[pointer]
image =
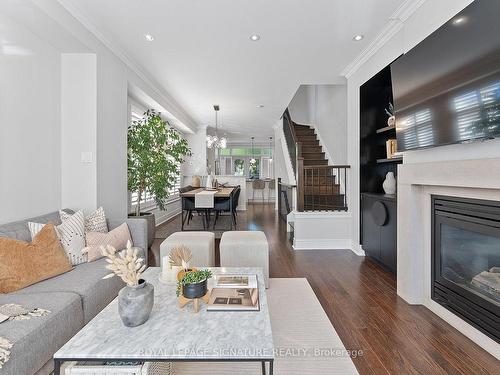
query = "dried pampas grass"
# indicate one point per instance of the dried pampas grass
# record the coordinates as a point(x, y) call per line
point(180, 256)
point(126, 264)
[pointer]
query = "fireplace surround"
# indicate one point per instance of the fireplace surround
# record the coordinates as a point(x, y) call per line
point(465, 260)
point(417, 183)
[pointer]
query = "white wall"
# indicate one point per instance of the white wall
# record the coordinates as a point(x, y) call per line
point(325, 108)
point(404, 36)
point(30, 114)
point(30, 163)
point(196, 165)
point(78, 131)
point(330, 120)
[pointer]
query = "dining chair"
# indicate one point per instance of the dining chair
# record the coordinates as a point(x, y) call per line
point(258, 185)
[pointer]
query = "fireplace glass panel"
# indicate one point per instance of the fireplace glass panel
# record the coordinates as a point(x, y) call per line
point(472, 261)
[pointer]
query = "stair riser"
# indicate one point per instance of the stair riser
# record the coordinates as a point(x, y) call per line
point(313, 155)
point(312, 149)
point(322, 190)
point(305, 132)
point(318, 181)
point(315, 162)
point(307, 138)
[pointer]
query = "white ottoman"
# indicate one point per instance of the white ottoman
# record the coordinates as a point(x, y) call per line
point(201, 244)
point(245, 249)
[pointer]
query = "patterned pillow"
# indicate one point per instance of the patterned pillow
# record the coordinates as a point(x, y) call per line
point(94, 222)
point(117, 238)
point(71, 233)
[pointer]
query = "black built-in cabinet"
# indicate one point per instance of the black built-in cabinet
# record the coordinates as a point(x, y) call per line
point(378, 240)
point(379, 228)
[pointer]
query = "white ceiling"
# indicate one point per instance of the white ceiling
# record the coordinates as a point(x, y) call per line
point(202, 54)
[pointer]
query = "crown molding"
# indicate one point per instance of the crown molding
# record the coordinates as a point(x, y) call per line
point(395, 24)
point(79, 15)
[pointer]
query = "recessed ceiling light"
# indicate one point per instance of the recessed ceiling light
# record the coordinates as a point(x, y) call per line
point(357, 38)
point(260, 106)
point(459, 20)
point(254, 37)
point(149, 37)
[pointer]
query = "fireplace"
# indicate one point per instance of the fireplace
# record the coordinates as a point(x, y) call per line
point(465, 265)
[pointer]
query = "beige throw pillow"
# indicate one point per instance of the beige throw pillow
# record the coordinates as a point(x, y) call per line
point(26, 263)
point(117, 238)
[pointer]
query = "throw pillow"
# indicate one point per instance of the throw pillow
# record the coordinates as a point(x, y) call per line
point(117, 238)
point(71, 234)
point(94, 222)
point(24, 263)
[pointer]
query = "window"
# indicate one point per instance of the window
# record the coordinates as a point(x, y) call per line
point(147, 201)
point(239, 167)
point(254, 170)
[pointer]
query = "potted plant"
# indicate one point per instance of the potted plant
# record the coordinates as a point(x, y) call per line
point(193, 284)
point(155, 152)
point(136, 299)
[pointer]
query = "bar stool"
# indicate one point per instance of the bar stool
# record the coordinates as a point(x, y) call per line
point(271, 187)
point(258, 185)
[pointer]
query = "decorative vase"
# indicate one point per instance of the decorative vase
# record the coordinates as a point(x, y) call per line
point(135, 303)
point(389, 184)
point(208, 183)
point(196, 181)
point(197, 290)
point(391, 121)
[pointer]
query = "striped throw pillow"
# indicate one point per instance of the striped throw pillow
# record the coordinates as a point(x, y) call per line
point(71, 233)
point(94, 222)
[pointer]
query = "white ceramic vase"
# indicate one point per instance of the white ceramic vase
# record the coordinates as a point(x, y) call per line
point(389, 184)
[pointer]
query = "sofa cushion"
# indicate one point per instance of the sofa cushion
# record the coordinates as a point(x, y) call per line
point(37, 339)
point(86, 281)
point(25, 263)
point(19, 229)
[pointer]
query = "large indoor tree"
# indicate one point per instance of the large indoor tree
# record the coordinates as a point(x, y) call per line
point(155, 152)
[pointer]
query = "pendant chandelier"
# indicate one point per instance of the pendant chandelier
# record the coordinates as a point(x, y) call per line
point(213, 141)
point(252, 160)
point(271, 149)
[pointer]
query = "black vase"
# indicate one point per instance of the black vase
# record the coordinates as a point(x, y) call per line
point(197, 290)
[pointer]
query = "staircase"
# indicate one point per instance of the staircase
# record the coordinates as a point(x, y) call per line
point(320, 186)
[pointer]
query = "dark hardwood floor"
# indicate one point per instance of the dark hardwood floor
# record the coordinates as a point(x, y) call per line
point(360, 299)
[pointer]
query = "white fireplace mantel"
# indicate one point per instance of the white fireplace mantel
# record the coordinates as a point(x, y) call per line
point(416, 183)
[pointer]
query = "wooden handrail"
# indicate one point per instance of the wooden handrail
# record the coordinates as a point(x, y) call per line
point(327, 166)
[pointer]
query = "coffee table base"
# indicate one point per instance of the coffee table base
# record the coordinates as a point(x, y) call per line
point(58, 362)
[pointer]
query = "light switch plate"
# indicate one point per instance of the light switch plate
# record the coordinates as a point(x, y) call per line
point(87, 157)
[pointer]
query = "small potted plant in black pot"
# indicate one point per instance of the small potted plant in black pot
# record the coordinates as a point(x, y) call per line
point(193, 284)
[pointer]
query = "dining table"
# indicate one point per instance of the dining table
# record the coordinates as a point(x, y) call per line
point(219, 193)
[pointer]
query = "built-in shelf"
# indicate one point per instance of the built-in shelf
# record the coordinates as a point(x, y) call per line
point(398, 159)
point(386, 129)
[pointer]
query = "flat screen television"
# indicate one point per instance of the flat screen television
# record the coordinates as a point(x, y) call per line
point(447, 88)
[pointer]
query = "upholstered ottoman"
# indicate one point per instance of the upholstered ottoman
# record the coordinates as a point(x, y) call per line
point(201, 244)
point(245, 249)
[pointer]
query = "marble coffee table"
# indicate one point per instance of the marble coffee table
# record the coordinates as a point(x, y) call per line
point(175, 334)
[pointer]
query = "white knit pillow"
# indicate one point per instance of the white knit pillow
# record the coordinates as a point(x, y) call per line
point(94, 222)
point(71, 233)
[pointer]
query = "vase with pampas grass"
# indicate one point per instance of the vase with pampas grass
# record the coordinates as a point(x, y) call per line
point(136, 299)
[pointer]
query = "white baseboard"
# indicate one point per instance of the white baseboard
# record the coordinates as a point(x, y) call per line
point(357, 249)
point(322, 244)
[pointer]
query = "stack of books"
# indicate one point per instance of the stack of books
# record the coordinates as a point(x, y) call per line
point(234, 293)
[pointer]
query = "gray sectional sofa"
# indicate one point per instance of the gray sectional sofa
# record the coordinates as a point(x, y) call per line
point(73, 298)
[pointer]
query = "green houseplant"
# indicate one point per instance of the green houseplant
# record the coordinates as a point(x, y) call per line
point(194, 284)
point(155, 151)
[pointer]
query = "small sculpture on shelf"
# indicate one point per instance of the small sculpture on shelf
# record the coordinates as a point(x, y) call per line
point(391, 121)
point(389, 184)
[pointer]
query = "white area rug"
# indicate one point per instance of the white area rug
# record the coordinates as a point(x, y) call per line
point(299, 323)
